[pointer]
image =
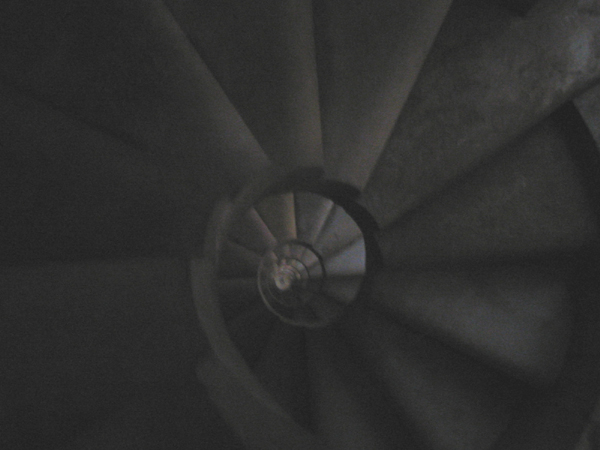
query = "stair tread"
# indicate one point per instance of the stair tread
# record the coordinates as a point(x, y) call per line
point(282, 370)
point(338, 232)
point(250, 332)
point(237, 261)
point(278, 213)
point(252, 232)
point(130, 70)
point(343, 288)
point(588, 104)
point(348, 262)
point(488, 78)
point(528, 200)
point(517, 318)
point(71, 192)
point(237, 295)
point(251, 412)
point(79, 340)
point(327, 308)
point(312, 211)
point(269, 72)
point(166, 417)
point(350, 411)
point(557, 416)
point(368, 57)
point(449, 400)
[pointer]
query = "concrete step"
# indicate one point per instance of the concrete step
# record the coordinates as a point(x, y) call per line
point(262, 54)
point(81, 340)
point(237, 295)
point(279, 214)
point(351, 411)
point(489, 78)
point(528, 200)
point(237, 261)
point(368, 57)
point(130, 70)
point(250, 331)
point(516, 318)
point(283, 372)
point(449, 401)
point(168, 416)
point(252, 232)
point(71, 192)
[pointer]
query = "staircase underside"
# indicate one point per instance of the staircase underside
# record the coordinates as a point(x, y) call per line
point(431, 166)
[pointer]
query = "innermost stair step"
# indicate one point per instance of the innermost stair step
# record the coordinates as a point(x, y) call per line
point(368, 54)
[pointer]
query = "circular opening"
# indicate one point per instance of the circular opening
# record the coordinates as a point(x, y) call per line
point(290, 281)
point(313, 240)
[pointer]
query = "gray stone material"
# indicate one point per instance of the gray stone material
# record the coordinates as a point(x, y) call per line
point(117, 114)
point(480, 89)
point(369, 54)
point(527, 201)
point(266, 66)
point(350, 411)
point(590, 438)
point(452, 402)
point(71, 192)
point(588, 104)
point(80, 341)
point(282, 370)
point(517, 319)
point(129, 70)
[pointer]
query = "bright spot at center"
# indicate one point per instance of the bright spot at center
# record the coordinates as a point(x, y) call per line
point(284, 278)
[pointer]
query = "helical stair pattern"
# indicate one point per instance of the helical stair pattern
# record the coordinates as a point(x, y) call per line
point(299, 224)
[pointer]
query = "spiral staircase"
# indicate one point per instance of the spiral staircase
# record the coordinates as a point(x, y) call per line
point(299, 224)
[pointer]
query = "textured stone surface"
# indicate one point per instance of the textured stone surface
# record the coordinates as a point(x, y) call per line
point(251, 411)
point(529, 199)
point(368, 54)
point(69, 191)
point(520, 7)
point(263, 55)
point(127, 68)
point(282, 370)
point(588, 104)
point(450, 401)
point(77, 342)
point(166, 417)
point(590, 439)
point(554, 418)
point(278, 213)
point(480, 88)
point(250, 331)
point(350, 411)
point(516, 318)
